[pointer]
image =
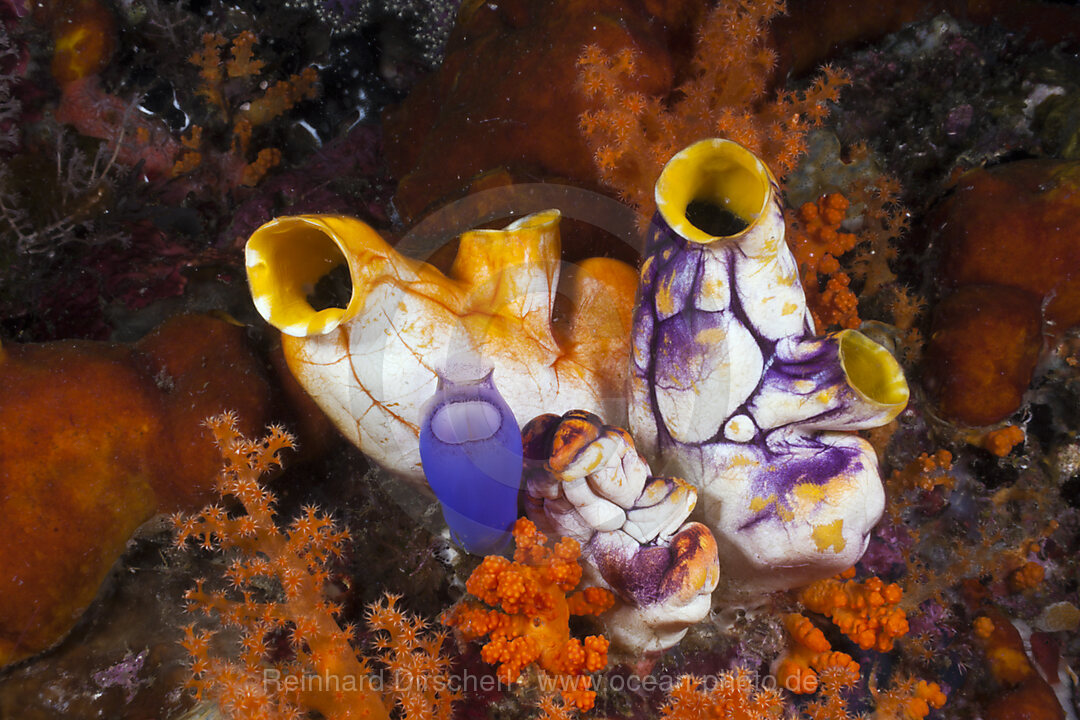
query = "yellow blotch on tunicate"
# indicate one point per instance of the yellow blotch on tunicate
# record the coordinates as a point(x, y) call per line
point(809, 492)
point(830, 536)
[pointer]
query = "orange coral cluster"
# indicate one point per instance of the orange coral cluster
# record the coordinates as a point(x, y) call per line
point(868, 612)
point(729, 695)
point(809, 654)
point(533, 624)
point(1002, 440)
point(925, 473)
point(817, 241)
point(1026, 577)
point(909, 699)
point(632, 135)
point(325, 673)
point(735, 696)
point(219, 71)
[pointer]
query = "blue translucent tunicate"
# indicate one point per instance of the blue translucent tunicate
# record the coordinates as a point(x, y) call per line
point(470, 448)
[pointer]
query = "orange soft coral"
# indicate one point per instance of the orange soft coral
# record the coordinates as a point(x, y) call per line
point(908, 699)
point(632, 135)
point(866, 611)
point(233, 84)
point(729, 695)
point(324, 672)
point(533, 624)
point(1002, 440)
point(808, 655)
point(817, 241)
point(925, 473)
point(412, 656)
point(831, 702)
point(1026, 577)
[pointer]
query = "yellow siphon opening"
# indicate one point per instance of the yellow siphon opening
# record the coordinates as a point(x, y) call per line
point(712, 189)
point(299, 277)
point(872, 370)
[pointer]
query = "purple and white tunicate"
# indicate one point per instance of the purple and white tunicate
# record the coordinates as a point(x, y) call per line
point(731, 389)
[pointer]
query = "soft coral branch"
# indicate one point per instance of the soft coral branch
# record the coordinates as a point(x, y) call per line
point(276, 586)
point(725, 95)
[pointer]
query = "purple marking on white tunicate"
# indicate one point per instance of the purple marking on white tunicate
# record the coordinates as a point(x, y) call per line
point(721, 331)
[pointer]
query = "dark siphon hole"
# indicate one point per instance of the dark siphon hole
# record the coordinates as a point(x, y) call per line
point(716, 220)
point(334, 289)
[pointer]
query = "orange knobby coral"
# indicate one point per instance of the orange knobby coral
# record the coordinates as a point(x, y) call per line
point(811, 663)
point(817, 242)
point(910, 699)
point(1002, 440)
point(534, 592)
point(1026, 577)
point(865, 611)
point(809, 654)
